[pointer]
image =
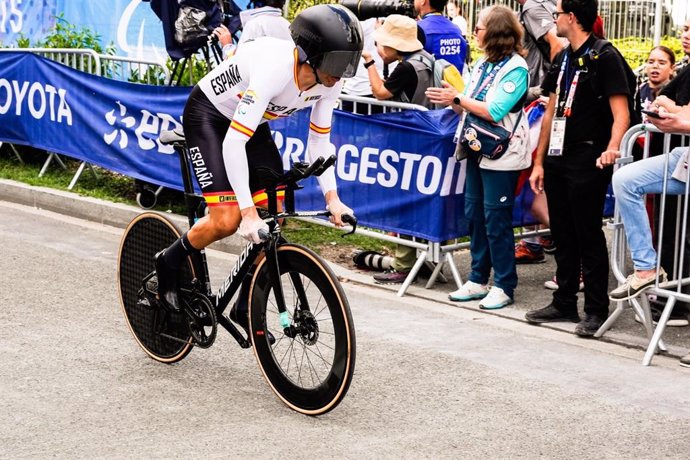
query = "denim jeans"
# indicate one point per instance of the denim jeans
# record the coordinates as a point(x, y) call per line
point(489, 198)
point(630, 184)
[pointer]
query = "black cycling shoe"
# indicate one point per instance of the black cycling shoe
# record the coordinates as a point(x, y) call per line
point(240, 316)
point(167, 283)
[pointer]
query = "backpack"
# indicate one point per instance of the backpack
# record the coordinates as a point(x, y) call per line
point(441, 70)
point(634, 103)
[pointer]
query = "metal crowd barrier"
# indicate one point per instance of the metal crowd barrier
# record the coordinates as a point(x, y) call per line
point(439, 254)
point(89, 61)
point(620, 265)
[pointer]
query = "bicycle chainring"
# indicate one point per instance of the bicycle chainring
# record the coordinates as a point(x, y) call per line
point(201, 320)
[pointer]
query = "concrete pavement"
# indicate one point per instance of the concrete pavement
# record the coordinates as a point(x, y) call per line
point(530, 293)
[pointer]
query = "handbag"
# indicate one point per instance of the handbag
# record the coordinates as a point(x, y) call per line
point(482, 137)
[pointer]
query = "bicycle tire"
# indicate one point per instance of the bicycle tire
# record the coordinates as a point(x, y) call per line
point(146, 235)
point(312, 395)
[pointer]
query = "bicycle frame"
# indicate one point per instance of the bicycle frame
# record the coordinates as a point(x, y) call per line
point(250, 254)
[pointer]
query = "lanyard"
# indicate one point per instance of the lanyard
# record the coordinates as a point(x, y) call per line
point(566, 109)
point(486, 81)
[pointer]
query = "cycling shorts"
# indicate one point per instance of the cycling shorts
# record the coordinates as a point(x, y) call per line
point(205, 128)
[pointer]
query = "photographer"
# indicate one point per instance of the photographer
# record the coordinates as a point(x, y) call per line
point(396, 41)
point(438, 34)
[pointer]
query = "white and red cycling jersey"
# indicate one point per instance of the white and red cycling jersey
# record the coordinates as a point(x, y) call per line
point(258, 84)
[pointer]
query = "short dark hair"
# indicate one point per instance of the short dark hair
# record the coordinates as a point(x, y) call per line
point(584, 10)
point(438, 5)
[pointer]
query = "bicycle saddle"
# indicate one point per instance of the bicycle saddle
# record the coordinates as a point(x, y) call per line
point(172, 137)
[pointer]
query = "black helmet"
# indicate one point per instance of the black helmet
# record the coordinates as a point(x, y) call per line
point(259, 3)
point(331, 37)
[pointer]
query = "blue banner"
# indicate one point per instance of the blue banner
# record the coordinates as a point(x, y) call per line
point(397, 171)
point(112, 124)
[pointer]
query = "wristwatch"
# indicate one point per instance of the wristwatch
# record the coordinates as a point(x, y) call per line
point(369, 64)
point(457, 99)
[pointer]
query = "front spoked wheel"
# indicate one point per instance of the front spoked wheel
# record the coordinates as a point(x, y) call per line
point(164, 336)
point(310, 366)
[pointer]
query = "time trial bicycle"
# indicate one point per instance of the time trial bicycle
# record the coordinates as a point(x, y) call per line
point(300, 324)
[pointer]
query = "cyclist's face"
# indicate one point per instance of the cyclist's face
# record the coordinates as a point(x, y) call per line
point(327, 79)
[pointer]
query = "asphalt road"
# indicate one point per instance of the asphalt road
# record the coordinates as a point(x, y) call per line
point(431, 381)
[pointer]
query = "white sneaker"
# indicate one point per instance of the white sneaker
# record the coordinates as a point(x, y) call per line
point(553, 285)
point(496, 299)
point(469, 291)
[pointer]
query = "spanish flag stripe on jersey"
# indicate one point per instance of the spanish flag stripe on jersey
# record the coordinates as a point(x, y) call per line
point(241, 128)
point(259, 198)
point(319, 129)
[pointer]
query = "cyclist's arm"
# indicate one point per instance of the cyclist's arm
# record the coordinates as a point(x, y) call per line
point(246, 119)
point(319, 144)
point(319, 140)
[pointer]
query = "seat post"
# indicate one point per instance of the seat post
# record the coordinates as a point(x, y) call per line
point(191, 199)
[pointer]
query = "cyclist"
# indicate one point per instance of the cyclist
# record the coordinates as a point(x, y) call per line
point(265, 79)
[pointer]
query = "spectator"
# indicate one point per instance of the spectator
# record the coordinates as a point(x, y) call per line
point(359, 84)
point(589, 111)
point(264, 20)
point(631, 183)
point(396, 40)
point(440, 37)
point(675, 94)
point(659, 71)
point(685, 43)
point(598, 28)
point(541, 41)
point(455, 14)
point(542, 45)
point(496, 92)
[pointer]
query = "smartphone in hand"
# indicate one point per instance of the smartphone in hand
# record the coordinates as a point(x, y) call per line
point(652, 114)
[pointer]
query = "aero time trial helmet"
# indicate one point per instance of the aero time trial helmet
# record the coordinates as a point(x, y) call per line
point(331, 37)
point(261, 3)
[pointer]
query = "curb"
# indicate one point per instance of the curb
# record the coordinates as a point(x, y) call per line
point(92, 209)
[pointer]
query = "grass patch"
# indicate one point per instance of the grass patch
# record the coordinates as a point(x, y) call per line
point(115, 187)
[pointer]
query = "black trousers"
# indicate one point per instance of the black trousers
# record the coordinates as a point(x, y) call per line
point(575, 191)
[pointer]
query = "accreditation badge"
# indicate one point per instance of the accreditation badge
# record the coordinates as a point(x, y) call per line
point(557, 137)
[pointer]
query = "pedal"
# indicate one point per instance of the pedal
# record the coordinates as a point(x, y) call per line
point(152, 284)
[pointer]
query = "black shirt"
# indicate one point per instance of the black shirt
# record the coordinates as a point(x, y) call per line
point(591, 118)
point(403, 78)
point(678, 89)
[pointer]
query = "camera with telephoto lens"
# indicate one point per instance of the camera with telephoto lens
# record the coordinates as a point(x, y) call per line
point(365, 9)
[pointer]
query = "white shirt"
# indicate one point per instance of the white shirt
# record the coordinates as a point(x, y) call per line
point(266, 21)
point(257, 84)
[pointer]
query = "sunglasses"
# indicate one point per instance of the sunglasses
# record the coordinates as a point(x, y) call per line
point(477, 29)
point(555, 14)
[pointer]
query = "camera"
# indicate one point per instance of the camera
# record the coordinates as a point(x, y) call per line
point(365, 9)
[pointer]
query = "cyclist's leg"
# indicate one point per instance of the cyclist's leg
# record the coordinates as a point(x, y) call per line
point(205, 129)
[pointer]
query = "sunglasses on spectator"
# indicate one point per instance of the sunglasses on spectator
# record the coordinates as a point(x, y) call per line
point(555, 14)
point(477, 29)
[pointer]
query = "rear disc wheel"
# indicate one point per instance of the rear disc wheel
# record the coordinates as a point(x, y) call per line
point(162, 335)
